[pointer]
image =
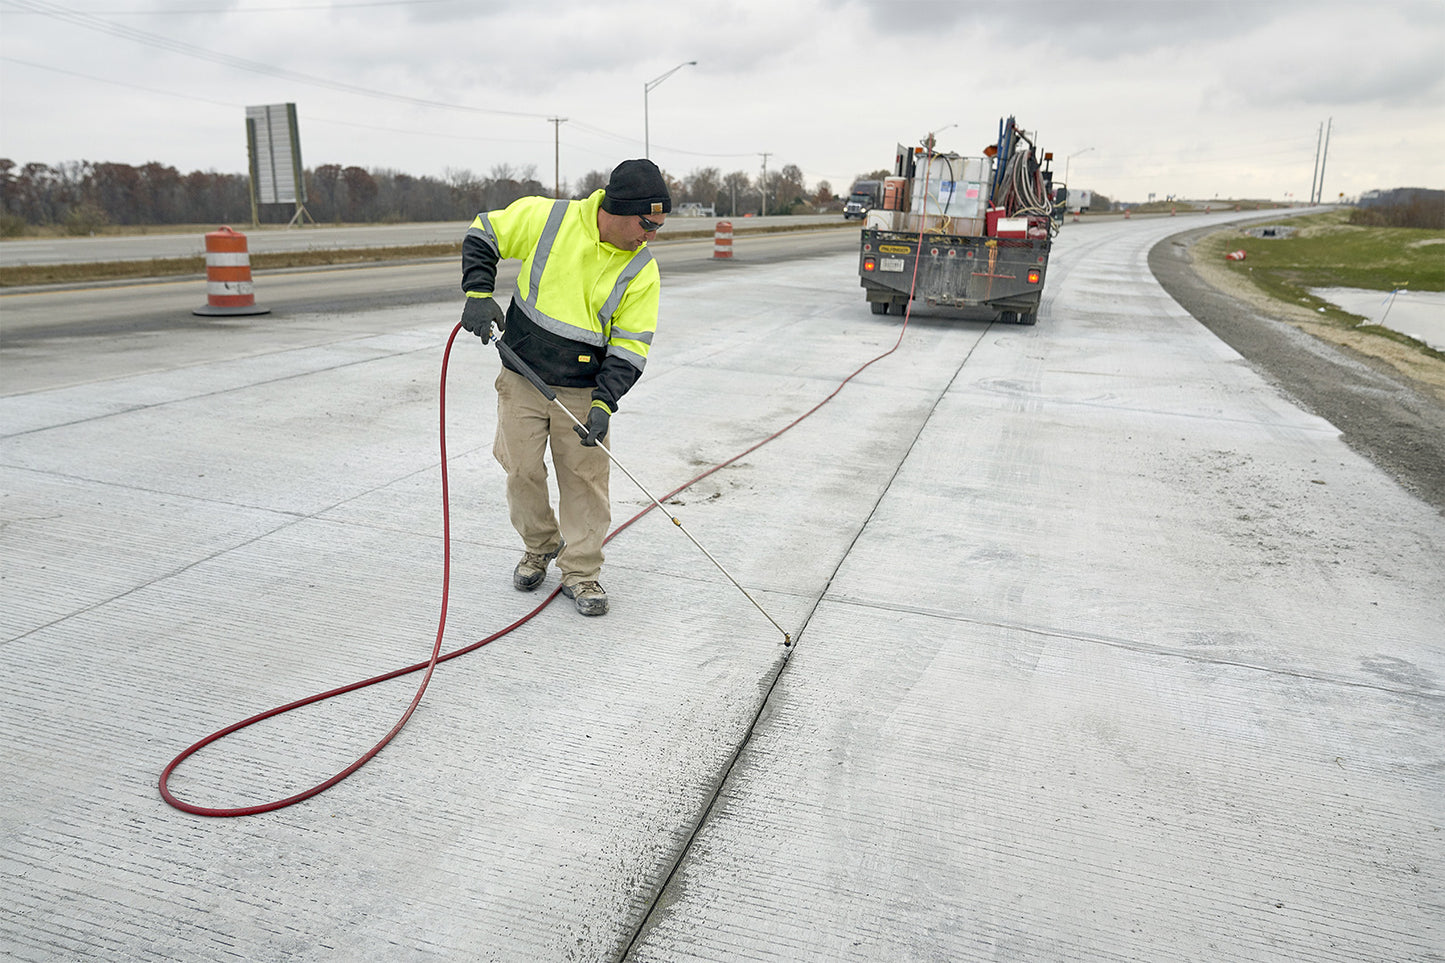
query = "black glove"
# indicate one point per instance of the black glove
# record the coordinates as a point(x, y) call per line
point(597, 419)
point(479, 314)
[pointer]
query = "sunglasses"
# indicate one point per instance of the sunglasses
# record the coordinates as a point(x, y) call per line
point(648, 226)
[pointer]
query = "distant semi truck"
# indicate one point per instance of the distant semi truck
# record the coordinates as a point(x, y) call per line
point(865, 196)
point(965, 232)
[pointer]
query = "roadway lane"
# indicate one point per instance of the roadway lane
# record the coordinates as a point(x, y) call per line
point(1131, 660)
point(1106, 650)
point(275, 239)
point(40, 327)
point(269, 239)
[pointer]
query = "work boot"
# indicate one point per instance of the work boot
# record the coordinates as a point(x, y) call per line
point(532, 569)
point(589, 597)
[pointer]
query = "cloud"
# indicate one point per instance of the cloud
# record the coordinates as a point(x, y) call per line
point(1099, 30)
point(1201, 95)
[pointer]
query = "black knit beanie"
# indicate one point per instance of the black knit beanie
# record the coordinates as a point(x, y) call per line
point(637, 187)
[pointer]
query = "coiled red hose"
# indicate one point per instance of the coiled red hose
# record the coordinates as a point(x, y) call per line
point(436, 654)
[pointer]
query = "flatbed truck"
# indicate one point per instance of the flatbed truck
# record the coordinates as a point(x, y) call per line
point(963, 232)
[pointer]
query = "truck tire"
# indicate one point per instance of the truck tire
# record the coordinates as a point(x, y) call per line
point(1008, 317)
point(899, 308)
point(878, 307)
point(1028, 317)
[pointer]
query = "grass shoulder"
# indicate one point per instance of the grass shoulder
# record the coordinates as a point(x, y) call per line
point(1324, 250)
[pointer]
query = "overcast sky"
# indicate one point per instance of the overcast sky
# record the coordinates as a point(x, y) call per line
point(1197, 99)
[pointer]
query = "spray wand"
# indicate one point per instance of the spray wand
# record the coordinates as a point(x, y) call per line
point(526, 371)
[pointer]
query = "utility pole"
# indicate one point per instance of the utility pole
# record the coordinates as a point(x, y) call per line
point(1323, 158)
point(557, 123)
point(764, 185)
point(1315, 174)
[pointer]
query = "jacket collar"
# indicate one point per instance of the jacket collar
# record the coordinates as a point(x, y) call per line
point(590, 206)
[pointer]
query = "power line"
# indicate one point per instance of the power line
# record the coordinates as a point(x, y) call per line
point(116, 83)
point(310, 118)
point(284, 8)
point(89, 22)
point(633, 140)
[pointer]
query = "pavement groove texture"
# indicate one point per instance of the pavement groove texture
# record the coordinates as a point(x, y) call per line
point(1111, 653)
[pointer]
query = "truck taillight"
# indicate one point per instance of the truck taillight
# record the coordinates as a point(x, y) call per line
point(869, 264)
point(1033, 277)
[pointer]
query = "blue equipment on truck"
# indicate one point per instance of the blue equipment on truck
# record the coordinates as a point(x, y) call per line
point(976, 231)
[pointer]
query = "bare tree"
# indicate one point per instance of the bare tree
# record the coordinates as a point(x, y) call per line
point(703, 185)
point(877, 175)
point(361, 190)
point(823, 199)
point(594, 181)
point(738, 191)
point(789, 191)
point(323, 192)
point(84, 195)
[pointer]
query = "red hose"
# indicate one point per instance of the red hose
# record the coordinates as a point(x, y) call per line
point(436, 657)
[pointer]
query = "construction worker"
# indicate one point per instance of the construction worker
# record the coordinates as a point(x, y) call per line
point(582, 317)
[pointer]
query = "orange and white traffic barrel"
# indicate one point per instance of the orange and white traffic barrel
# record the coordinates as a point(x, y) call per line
point(229, 291)
point(722, 240)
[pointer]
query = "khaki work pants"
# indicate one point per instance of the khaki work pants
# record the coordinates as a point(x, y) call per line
point(526, 424)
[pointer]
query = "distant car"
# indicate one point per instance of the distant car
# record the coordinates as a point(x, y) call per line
point(693, 209)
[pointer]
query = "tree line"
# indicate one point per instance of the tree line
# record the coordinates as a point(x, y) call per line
point(81, 196)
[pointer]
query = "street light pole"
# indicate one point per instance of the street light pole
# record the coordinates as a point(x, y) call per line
point(1069, 160)
point(647, 89)
point(933, 134)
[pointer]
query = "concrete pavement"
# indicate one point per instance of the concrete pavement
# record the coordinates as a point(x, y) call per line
point(1106, 651)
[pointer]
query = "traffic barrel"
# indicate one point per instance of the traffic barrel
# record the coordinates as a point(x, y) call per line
point(722, 240)
point(229, 291)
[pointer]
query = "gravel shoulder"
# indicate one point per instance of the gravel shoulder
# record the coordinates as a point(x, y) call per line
point(1387, 400)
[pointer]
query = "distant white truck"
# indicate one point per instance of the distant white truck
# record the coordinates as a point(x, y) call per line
point(694, 209)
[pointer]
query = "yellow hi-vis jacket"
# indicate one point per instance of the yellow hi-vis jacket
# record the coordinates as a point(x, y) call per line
point(584, 312)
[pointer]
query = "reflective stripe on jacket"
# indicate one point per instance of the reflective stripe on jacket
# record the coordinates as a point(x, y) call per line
point(583, 312)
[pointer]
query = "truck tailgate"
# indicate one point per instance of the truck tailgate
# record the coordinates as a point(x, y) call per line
point(956, 271)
